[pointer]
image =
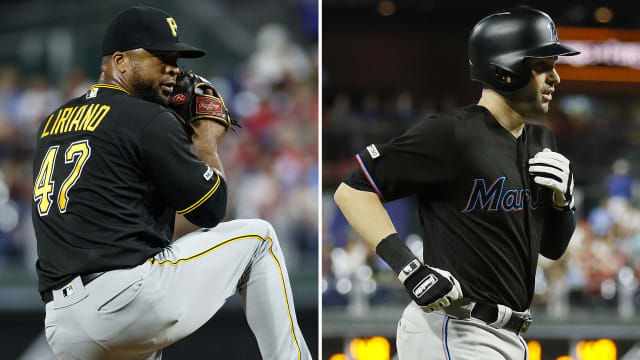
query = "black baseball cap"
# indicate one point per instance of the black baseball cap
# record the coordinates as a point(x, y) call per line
point(148, 28)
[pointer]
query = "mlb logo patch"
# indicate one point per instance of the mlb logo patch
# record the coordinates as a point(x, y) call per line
point(207, 175)
point(411, 267)
point(373, 151)
point(92, 93)
point(208, 106)
point(67, 291)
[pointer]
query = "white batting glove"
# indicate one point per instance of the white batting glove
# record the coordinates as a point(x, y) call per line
point(454, 294)
point(553, 170)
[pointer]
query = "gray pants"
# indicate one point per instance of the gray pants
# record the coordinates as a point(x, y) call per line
point(134, 313)
point(440, 336)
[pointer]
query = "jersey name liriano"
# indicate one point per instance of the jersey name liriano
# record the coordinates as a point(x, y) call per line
point(77, 118)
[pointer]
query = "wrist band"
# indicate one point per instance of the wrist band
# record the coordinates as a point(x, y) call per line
point(397, 254)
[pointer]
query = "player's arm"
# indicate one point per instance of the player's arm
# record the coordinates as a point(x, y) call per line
point(206, 137)
point(194, 186)
point(553, 171)
point(556, 233)
point(429, 287)
point(359, 199)
point(365, 213)
point(203, 114)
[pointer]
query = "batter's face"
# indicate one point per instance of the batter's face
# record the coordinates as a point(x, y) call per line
point(534, 98)
point(153, 74)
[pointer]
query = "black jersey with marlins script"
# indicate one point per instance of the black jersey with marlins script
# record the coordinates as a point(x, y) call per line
point(110, 172)
point(483, 218)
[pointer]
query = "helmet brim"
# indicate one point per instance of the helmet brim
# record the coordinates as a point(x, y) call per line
point(554, 49)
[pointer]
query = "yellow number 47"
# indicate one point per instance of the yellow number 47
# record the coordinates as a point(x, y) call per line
point(43, 187)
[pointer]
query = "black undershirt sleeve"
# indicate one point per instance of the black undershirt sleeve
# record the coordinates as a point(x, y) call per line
point(558, 224)
point(558, 228)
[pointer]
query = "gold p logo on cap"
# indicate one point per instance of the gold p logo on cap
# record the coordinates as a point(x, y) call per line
point(173, 26)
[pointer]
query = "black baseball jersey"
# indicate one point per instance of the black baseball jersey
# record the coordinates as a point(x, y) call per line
point(483, 218)
point(110, 172)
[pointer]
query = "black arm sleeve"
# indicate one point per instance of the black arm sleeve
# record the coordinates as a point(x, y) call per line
point(189, 185)
point(557, 231)
point(558, 224)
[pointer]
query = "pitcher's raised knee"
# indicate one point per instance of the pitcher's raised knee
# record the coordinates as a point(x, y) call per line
point(258, 227)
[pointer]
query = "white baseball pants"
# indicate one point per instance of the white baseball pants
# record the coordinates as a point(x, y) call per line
point(134, 313)
point(438, 336)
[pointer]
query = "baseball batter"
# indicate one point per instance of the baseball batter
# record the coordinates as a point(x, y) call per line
point(111, 169)
point(492, 193)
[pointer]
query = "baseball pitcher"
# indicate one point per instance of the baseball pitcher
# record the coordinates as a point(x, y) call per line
point(111, 170)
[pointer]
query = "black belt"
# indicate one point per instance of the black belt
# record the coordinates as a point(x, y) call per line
point(86, 279)
point(489, 313)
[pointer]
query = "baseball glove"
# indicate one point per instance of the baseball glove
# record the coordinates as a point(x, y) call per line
point(195, 98)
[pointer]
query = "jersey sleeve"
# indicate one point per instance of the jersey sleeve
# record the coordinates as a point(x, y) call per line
point(358, 181)
point(190, 186)
point(422, 157)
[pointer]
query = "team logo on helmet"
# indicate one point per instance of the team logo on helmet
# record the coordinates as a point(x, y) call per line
point(178, 98)
point(552, 30)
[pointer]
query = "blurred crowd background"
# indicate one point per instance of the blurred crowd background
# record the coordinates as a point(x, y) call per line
point(261, 55)
point(387, 64)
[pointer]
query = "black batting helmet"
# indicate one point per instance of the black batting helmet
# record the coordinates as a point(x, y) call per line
point(499, 43)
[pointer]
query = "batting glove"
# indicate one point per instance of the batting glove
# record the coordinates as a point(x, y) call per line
point(431, 288)
point(552, 170)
